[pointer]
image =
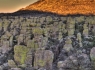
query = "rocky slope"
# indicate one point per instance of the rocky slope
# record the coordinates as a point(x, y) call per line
point(47, 42)
point(64, 7)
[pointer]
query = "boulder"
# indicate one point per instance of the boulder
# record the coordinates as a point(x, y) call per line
point(32, 44)
point(11, 41)
point(85, 32)
point(77, 61)
point(48, 18)
point(43, 58)
point(11, 64)
point(79, 38)
point(5, 47)
point(21, 39)
point(29, 57)
point(71, 31)
point(16, 32)
point(68, 45)
point(92, 56)
point(60, 35)
point(5, 66)
point(20, 53)
point(1, 68)
point(6, 26)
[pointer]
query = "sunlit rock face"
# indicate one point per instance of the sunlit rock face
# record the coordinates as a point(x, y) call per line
point(85, 7)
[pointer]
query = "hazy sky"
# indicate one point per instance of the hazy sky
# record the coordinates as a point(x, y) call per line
point(14, 5)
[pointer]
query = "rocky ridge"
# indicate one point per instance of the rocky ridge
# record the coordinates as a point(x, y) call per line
point(64, 7)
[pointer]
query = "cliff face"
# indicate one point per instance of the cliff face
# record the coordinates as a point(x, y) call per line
point(64, 7)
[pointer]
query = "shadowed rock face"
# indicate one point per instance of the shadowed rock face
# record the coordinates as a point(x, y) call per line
point(85, 7)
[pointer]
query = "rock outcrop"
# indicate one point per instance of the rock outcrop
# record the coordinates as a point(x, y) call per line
point(47, 42)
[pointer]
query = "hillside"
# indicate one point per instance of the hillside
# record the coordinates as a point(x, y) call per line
point(64, 7)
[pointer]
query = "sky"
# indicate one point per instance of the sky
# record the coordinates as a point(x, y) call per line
point(8, 6)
